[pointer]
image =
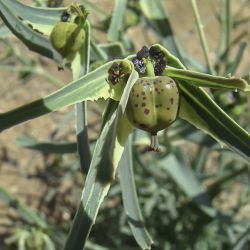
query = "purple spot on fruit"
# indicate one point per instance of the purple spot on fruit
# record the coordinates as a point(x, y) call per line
point(143, 104)
point(144, 98)
point(143, 93)
point(156, 89)
point(142, 125)
point(168, 108)
point(146, 111)
point(137, 95)
point(156, 105)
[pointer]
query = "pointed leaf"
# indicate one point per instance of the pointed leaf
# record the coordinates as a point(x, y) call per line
point(206, 80)
point(117, 20)
point(90, 87)
point(130, 199)
point(46, 147)
point(25, 212)
point(201, 111)
point(42, 19)
point(187, 181)
point(32, 39)
point(107, 154)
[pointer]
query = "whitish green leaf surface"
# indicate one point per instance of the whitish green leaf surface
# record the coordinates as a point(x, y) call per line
point(205, 80)
point(117, 20)
point(89, 87)
point(42, 19)
point(102, 171)
point(130, 199)
point(32, 39)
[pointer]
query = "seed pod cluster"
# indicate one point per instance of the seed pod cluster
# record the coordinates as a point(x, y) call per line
point(68, 36)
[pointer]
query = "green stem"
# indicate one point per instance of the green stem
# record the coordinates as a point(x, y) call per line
point(228, 31)
point(79, 69)
point(202, 37)
point(150, 69)
point(99, 52)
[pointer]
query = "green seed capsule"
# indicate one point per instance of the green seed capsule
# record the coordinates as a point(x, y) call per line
point(118, 75)
point(67, 38)
point(153, 103)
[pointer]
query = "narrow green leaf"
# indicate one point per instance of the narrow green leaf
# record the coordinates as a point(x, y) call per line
point(113, 50)
point(33, 40)
point(187, 181)
point(238, 58)
point(228, 31)
point(25, 212)
point(107, 154)
point(218, 186)
point(201, 111)
point(243, 241)
point(181, 130)
point(90, 87)
point(130, 199)
point(206, 80)
point(42, 19)
point(117, 20)
point(49, 245)
point(46, 147)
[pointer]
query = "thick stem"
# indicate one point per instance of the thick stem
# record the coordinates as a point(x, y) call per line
point(154, 145)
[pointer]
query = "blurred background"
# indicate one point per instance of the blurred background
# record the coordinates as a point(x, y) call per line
point(39, 167)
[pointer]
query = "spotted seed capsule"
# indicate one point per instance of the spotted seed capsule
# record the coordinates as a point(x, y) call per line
point(153, 105)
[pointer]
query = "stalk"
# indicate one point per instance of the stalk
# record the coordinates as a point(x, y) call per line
point(202, 36)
